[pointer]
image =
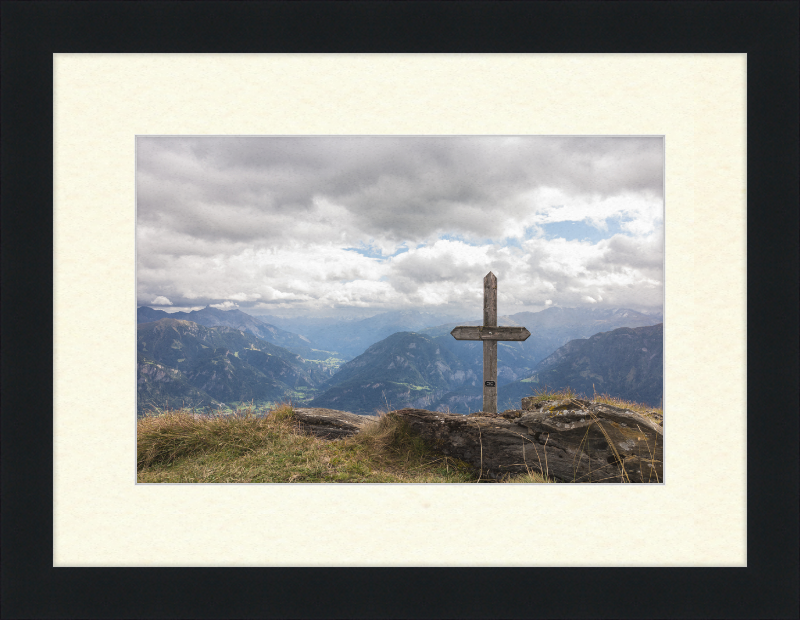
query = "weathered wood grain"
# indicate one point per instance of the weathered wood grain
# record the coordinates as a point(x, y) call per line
point(490, 376)
point(490, 346)
point(476, 332)
point(490, 300)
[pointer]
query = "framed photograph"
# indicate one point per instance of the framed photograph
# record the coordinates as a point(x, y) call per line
point(82, 539)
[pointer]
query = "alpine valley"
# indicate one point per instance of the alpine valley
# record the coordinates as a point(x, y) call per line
point(211, 358)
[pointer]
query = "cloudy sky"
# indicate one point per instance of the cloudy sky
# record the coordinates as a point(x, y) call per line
point(353, 226)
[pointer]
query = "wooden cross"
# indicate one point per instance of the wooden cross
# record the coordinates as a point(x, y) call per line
point(490, 333)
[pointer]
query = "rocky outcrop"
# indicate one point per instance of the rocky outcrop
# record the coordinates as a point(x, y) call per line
point(570, 441)
point(329, 423)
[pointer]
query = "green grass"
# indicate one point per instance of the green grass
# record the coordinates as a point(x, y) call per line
point(257, 446)
point(412, 386)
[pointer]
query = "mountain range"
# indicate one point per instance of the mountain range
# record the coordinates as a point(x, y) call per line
point(627, 363)
point(415, 370)
point(183, 363)
point(213, 317)
point(351, 338)
point(423, 366)
point(552, 328)
point(404, 370)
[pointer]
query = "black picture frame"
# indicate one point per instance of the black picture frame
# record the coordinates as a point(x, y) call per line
point(33, 31)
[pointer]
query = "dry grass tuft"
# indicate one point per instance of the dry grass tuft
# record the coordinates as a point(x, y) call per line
point(531, 477)
point(390, 444)
point(170, 435)
point(655, 414)
point(544, 394)
point(182, 446)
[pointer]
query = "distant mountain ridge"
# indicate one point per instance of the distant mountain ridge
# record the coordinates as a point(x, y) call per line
point(214, 317)
point(552, 328)
point(627, 363)
point(352, 338)
point(415, 370)
point(183, 363)
point(405, 369)
point(316, 338)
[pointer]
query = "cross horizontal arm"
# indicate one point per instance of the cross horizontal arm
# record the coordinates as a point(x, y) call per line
point(476, 332)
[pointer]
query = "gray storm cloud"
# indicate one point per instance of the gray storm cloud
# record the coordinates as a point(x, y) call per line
point(274, 220)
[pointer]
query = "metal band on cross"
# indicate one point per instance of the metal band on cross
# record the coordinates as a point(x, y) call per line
point(490, 333)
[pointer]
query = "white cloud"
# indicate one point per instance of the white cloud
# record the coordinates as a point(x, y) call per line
point(161, 301)
point(226, 305)
point(245, 297)
point(313, 223)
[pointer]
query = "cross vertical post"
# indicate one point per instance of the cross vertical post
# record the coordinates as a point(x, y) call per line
point(489, 333)
point(490, 346)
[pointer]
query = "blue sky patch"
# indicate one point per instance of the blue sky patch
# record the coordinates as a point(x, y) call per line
point(373, 252)
point(582, 231)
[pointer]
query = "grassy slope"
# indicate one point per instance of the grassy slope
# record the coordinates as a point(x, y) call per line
point(178, 446)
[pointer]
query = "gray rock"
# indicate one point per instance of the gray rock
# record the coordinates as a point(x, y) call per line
point(570, 441)
point(329, 423)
